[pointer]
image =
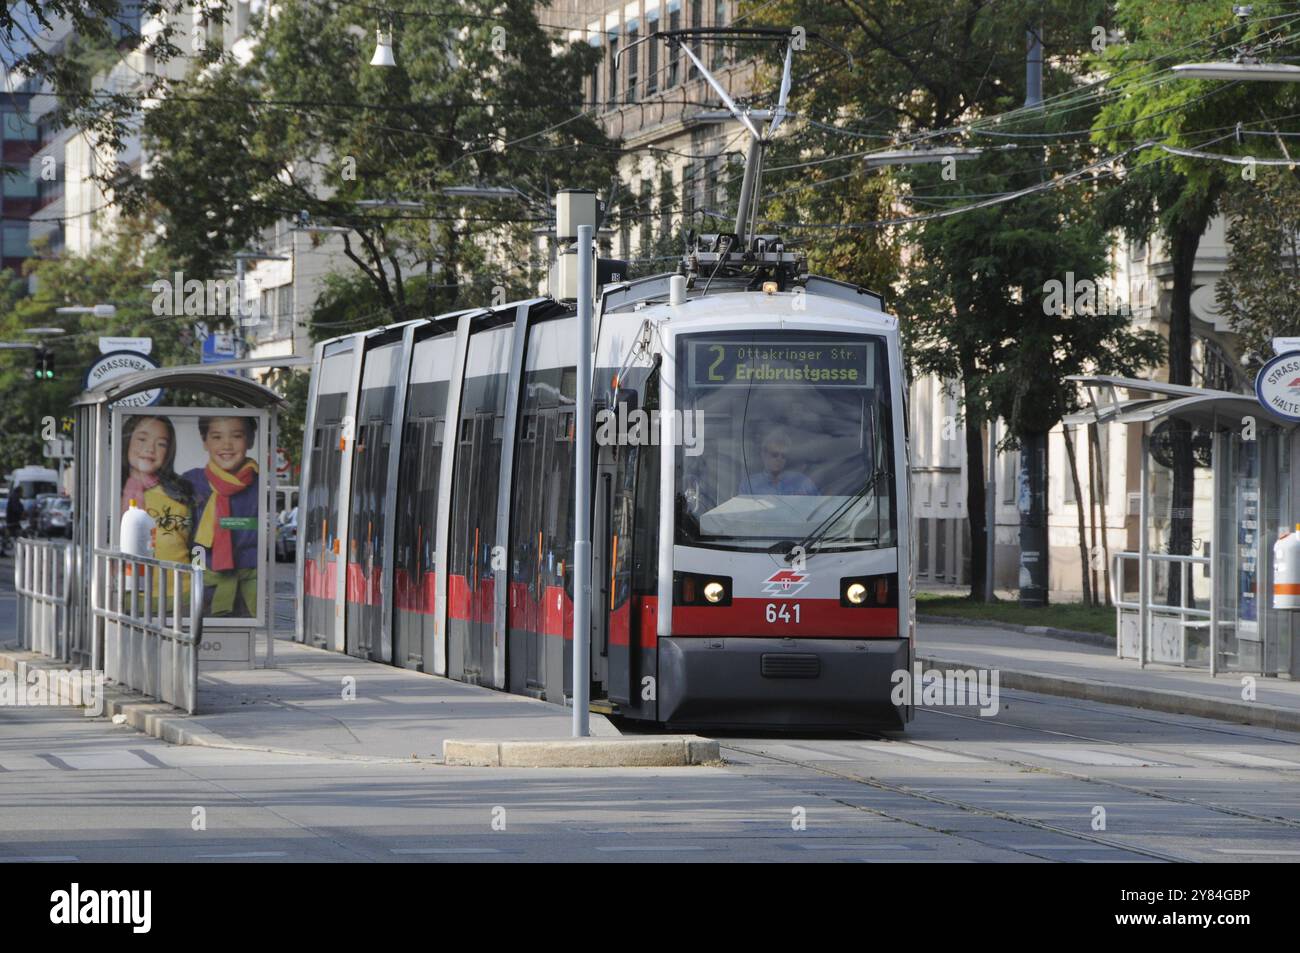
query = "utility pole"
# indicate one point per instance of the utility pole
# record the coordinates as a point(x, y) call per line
point(1031, 495)
point(582, 494)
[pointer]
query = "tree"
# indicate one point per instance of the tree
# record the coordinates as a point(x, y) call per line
point(95, 28)
point(118, 273)
point(1176, 196)
point(1260, 289)
point(307, 128)
point(926, 69)
point(1006, 299)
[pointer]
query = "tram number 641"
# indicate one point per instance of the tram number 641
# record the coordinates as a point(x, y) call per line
point(782, 613)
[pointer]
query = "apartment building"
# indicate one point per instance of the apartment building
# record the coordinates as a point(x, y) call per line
point(680, 156)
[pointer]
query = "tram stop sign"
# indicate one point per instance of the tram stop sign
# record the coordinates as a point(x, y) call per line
point(1278, 386)
point(119, 364)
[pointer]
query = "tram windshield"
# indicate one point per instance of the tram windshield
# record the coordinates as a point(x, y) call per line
point(786, 441)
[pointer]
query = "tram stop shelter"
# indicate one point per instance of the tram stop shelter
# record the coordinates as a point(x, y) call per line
point(1210, 607)
point(211, 423)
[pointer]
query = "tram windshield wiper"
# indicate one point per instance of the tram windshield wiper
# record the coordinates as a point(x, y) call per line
point(808, 545)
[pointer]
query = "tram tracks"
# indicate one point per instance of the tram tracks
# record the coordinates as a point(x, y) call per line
point(1003, 759)
point(1119, 785)
point(973, 809)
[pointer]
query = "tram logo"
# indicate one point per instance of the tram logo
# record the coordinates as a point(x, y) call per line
point(785, 582)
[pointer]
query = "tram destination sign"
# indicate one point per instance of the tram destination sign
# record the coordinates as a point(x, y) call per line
point(731, 363)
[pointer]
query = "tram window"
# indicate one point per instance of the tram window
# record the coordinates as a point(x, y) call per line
point(793, 441)
point(437, 430)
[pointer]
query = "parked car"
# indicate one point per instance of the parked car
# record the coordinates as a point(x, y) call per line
point(54, 517)
point(286, 535)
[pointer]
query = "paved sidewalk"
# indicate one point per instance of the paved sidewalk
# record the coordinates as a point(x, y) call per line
point(299, 707)
point(1061, 667)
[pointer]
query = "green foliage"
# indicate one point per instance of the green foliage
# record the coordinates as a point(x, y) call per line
point(978, 296)
point(98, 28)
point(1176, 196)
point(971, 289)
point(119, 273)
point(479, 97)
point(293, 386)
point(1260, 290)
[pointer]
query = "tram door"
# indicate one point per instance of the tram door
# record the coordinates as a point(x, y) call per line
point(366, 540)
point(625, 531)
point(367, 537)
point(321, 540)
point(473, 534)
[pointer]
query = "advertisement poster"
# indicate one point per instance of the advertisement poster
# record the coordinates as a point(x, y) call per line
point(197, 471)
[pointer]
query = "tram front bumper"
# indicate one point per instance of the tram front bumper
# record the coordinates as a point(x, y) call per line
point(781, 683)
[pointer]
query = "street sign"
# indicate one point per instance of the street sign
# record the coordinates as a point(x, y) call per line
point(1285, 345)
point(119, 364)
point(59, 448)
point(1278, 386)
point(107, 345)
point(218, 347)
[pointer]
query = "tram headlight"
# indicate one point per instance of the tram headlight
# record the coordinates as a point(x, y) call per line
point(873, 592)
point(701, 589)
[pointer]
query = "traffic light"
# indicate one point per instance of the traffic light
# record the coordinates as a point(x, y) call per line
point(44, 365)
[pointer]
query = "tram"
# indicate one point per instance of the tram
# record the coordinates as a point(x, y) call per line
point(751, 548)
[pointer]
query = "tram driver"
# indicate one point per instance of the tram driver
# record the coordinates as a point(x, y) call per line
point(775, 479)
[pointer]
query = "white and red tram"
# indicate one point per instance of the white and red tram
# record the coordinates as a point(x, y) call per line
point(751, 542)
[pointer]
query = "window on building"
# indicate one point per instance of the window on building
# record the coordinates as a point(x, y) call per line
point(593, 81)
point(667, 201)
point(625, 228)
point(284, 311)
point(674, 52)
point(645, 241)
point(697, 20)
point(719, 19)
point(631, 60)
point(1010, 475)
point(612, 52)
point(16, 240)
point(923, 568)
point(652, 54)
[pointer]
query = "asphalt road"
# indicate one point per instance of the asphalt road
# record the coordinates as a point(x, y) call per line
point(1045, 780)
point(1024, 786)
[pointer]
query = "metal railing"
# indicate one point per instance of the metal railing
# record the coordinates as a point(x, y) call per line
point(149, 614)
point(43, 580)
point(1188, 616)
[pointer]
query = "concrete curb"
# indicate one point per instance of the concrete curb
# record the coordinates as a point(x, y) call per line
point(665, 751)
point(1069, 635)
point(1152, 699)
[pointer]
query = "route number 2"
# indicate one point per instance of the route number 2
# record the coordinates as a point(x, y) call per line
point(781, 613)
